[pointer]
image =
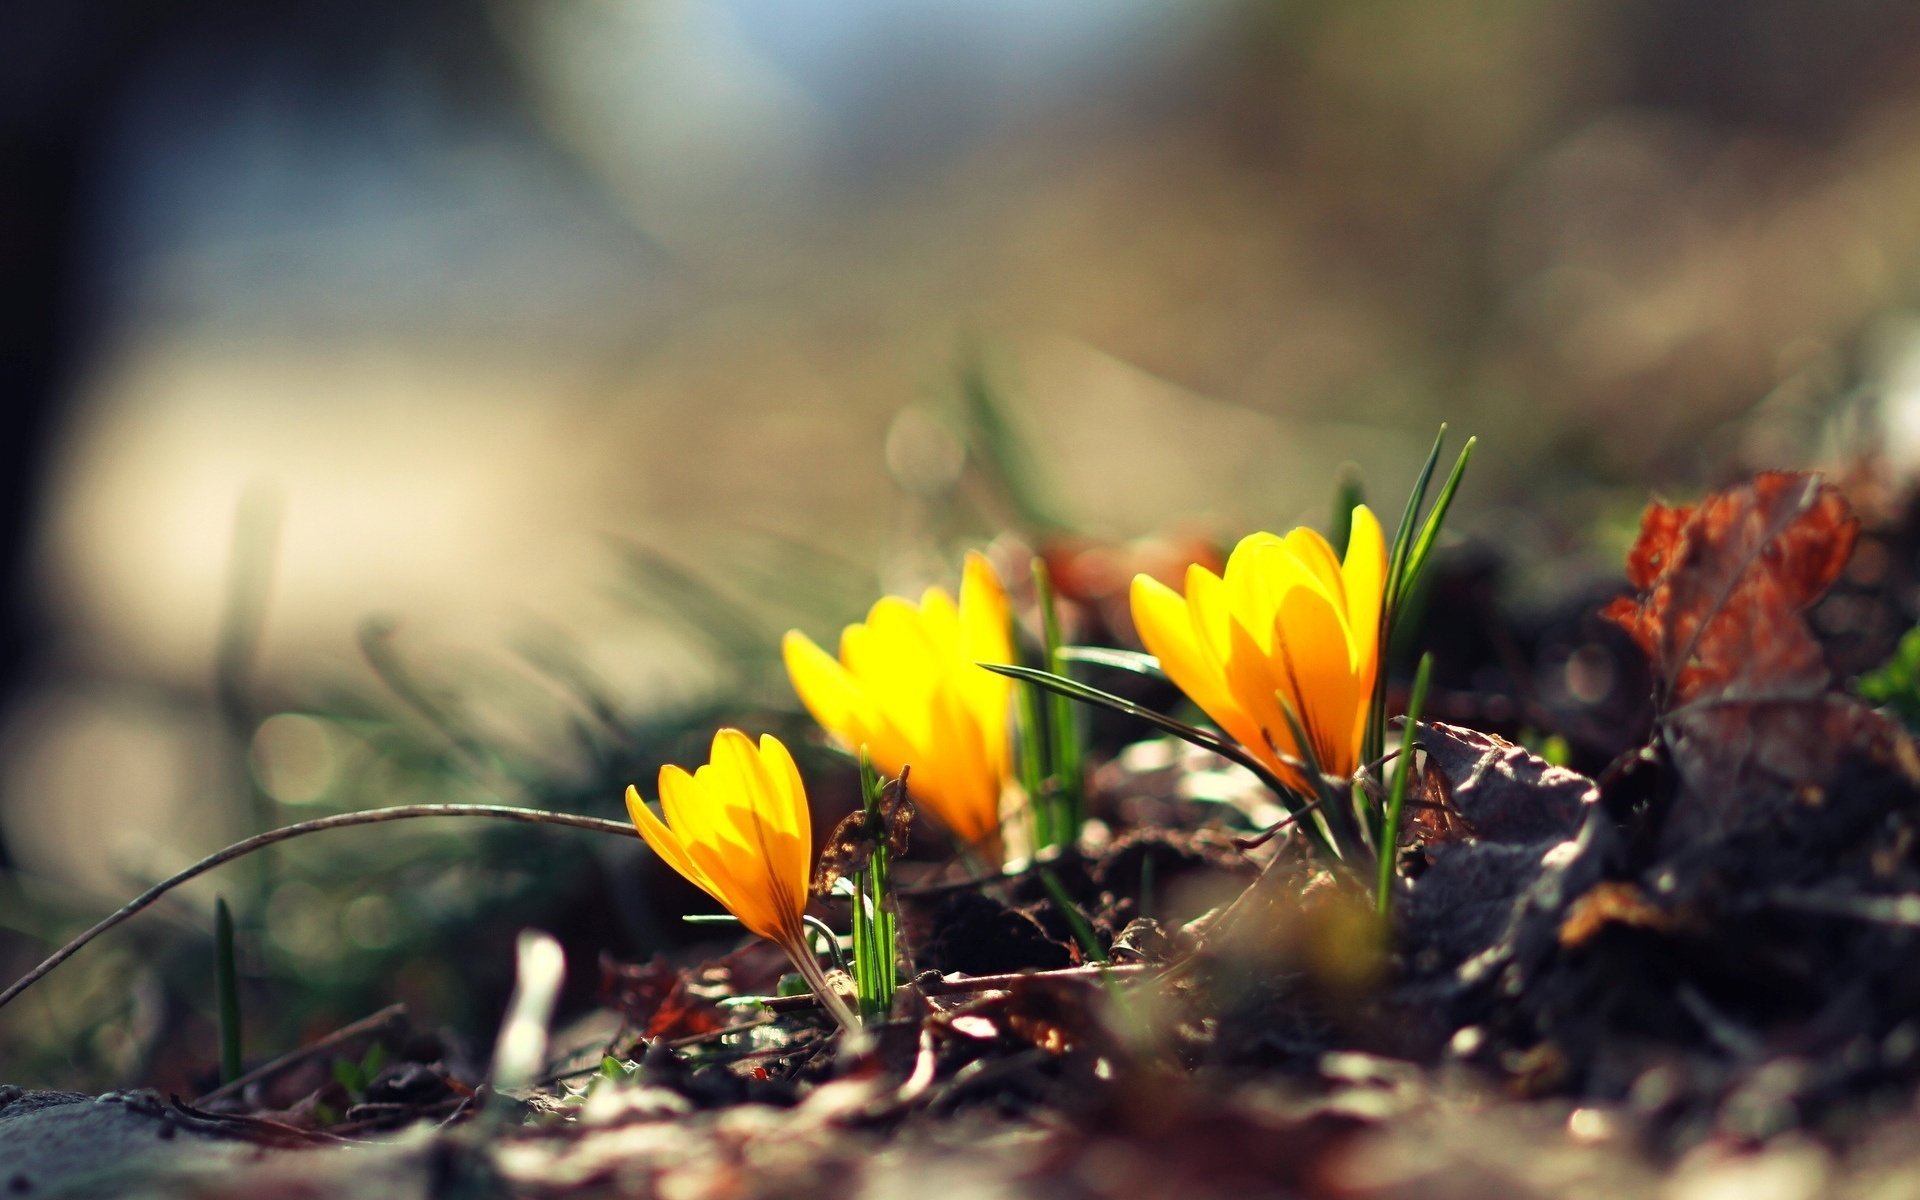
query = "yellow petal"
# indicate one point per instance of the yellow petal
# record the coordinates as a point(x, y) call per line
point(792, 793)
point(1365, 571)
point(840, 704)
point(1166, 629)
point(953, 775)
point(1256, 687)
point(828, 689)
point(897, 667)
point(1226, 650)
point(667, 844)
point(939, 618)
point(1315, 554)
point(1311, 637)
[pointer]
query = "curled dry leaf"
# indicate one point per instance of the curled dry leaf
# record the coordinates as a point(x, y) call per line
point(852, 841)
point(1741, 683)
point(1481, 786)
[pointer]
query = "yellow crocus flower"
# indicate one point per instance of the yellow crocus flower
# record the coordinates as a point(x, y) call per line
point(907, 686)
point(1287, 620)
point(738, 829)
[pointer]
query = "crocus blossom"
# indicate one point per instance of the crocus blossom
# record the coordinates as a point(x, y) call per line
point(738, 828)
point(908, 686)
point(1287, 623)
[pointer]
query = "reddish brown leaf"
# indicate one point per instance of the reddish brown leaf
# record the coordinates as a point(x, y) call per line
point(1741, 683)
point(1614, 902)
point(657, 999)
point(1724, 585)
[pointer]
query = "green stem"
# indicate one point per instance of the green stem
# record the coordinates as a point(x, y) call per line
point(809, 968)
point(1397, 798)
point(226, 983)
point(1065, 766)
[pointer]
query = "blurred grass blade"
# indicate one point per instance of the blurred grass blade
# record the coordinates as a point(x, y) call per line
point(1065, 767)
point(226, 983)
point(1075, 919)
point(736, 634)
point(1389, 843)
point(999, 449)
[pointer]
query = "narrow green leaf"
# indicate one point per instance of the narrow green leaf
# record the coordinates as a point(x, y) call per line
point(1065, 767)
point(226, 982)
point(1289, 797)
point(1403, 536)
point(1088, 694)
point(1076, 920)
point(1430, 531)
point(1397, 798)
point(1029, 748)
point(1339, 826)
point(825, 933)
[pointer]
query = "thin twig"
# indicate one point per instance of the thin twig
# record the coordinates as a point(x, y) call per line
point(339, 1037)
point(404, 812)
point(966, 984)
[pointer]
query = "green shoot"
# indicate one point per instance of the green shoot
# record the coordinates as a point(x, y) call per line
point(1388, 843)
point(1413, 542)
point(226, 983)
point(1076, 920)
point(1290, 797)
point(1030, 753)
point(1895, 684)
point(1066, 777)
point(875, 936)
point(999, 448)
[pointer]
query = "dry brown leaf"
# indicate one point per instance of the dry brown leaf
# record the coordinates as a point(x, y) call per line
point(1479, 785)
point(1615, 902)
point(1723, 586)
point(657, 999)
point(1741, 684)
point(852, 841)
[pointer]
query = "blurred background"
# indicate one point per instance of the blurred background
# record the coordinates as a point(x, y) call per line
point(453, 400)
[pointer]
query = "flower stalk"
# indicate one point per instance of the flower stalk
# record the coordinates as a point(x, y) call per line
point(875, 932)
point(738, 828)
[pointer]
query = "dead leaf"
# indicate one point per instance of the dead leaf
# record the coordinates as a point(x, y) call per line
point(1481, 786)
point(852, 841)
point(1724, 584)
point(1614, 902)
point(657, 999)
point(1742, 687)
